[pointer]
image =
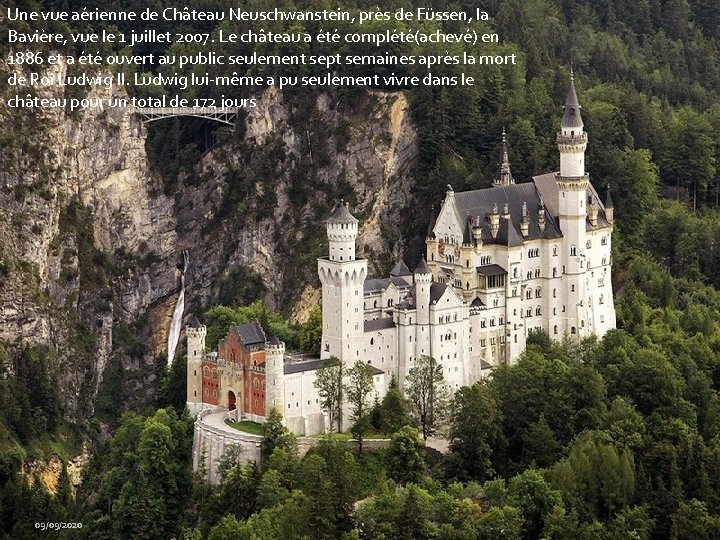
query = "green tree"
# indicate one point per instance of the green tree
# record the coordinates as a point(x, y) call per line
point(405, 456)
point(329, 384)
point(360, 384)
point(426, 390)
point(474, 432)
point(276, 436)
point(311, 332)
point(693, 522)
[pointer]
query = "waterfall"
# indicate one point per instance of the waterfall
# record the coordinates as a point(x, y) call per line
point(176, 324)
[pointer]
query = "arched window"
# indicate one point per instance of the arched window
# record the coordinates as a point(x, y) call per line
point(492, 321)
point(537, 272)
point(467, 263)
point(538, 292)
point(483, 323)
point(554, 251)
point(538, 311)
point(528, 313)
point(573, 251)
point(529, 274)
point(555, 329)
point(572, 288)
point(372, 341)
point(528, 294)
point(554, 293)
point(603, 241)
point(374, 303)
point(572, 330)
point(602, 299)
point(588, 244)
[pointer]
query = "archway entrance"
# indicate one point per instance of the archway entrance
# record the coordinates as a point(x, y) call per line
point(231, 400)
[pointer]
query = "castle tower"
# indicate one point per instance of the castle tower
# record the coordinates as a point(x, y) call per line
point(573, 183)
point(275, 374)
point(342, 276)
point(504, 177)
point(423, 282)
point(195, 333)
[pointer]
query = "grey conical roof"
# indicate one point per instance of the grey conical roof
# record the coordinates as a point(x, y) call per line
point(571, 115)
point(193, 322)
point(342, 214)
point(400, 269)
point(608, 200)
point(274, 340)
point(422, 267)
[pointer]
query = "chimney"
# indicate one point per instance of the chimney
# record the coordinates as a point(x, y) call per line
point(541, 216)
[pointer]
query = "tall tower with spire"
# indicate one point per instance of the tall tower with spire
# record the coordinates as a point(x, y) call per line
point(504, 176)
point(573, 182)
point(342, 275)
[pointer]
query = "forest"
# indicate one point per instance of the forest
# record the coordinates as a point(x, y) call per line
point(603, 439)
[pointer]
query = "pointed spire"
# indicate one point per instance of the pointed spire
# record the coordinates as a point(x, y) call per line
point(571, 115)
point(430, 232)
point(608, 200)
point(504, 175)
point(467, 233)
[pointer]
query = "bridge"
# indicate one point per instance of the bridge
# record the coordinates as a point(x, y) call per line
point(226, 115)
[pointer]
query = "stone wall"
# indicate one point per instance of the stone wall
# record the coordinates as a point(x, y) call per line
point(212, 441)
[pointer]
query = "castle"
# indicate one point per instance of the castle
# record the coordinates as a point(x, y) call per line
point(500, 262)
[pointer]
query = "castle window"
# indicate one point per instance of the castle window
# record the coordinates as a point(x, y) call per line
point(604, 261)
point(538, 292)
point(537, 311)
point(432, 256)
point(554, 293)
point(555, 329)
point(207, 392)
point(492, 321)
point(206, 372)
point(195, 372)
point(195, 393)
point(374, 303)
point(483, 323)
point(588, 244)
point(573, 251)
point(528, 313)
point(514, 292)
point(500, 320)
point(554, 272)
point(603, 241)
point(528, 294)
point(467, 263)
point(515, 272)
point(563, 310)
point(529, 274)
point(483, 342)
point(554, 251)
point(602, 299)
point(572, 288)
point(572, 330)
point(602, 318)
point(554, 311)
point(537, 272)
point(601, 281)
point(467, 285)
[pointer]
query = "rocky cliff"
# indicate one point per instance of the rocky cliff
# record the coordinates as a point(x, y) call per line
point(90, 236)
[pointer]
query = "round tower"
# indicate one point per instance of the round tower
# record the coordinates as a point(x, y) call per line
point(275, 375)
point(342, 276)
point(573, 183)
point(423, 282)
point(195, 333)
